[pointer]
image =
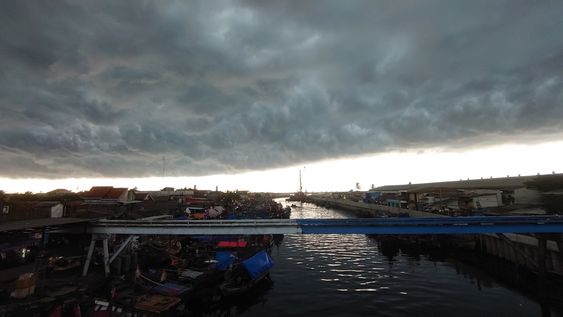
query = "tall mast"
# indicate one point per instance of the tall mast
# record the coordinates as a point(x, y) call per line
point(300, 183)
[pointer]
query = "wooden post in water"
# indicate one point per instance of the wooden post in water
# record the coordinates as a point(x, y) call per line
point(542, 270)
point(559, 240)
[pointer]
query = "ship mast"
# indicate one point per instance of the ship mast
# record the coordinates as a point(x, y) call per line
point(300, 183)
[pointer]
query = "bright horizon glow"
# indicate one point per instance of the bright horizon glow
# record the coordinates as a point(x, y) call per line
point(341, 175)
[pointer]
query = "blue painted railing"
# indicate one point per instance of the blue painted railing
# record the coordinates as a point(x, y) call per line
point(441, 225)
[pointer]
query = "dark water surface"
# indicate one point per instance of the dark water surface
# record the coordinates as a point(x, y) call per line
point(348, 275)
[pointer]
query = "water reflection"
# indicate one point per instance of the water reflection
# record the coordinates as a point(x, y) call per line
point(237, 306)
point(350, 275)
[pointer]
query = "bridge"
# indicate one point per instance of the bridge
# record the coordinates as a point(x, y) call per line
point(439, 225)
point(101, 229)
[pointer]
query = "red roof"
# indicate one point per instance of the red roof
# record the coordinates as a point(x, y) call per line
point(115, 193)
point(103, 192)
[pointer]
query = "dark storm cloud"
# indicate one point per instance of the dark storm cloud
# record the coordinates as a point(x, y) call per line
point(108, 88)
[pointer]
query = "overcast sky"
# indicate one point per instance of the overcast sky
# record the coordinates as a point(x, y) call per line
point(107, 88)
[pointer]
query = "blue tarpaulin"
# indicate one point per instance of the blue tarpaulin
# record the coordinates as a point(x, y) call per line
point(373, 195)
point(224, 260)
point(258, 264)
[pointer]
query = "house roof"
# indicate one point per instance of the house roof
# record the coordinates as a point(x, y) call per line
point(59, 191)
point(115, 193)
point(34, 204)
point(141, 196)
point(103, 192)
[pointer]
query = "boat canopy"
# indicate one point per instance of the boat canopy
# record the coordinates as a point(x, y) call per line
point(258, 264)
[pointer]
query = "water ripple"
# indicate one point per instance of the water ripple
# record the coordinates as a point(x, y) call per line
point(337, 275)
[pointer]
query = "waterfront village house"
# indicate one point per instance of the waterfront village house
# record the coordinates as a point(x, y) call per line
point(105, 193)
point(23, 210)
point(181, 194)
point(484, 193)
point(526, 196)
point(487, 200)
point(165, 194)
point(394, 198)
point(394, 203)
point(135, 195)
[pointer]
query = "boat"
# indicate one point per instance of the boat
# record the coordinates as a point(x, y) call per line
point(247, 274)
point(300, 195)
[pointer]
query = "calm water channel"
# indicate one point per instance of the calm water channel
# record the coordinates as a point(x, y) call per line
point(348, 275)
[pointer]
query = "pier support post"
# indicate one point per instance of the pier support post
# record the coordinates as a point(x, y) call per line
point(121, 248)
point(91, 248)
point(526, 260)
point(542, 270)
point(558, 238)
point(89, 256)
point(106, 256)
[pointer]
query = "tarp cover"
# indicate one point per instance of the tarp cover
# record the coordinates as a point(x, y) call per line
point(214, 212)
point(198, 215)
point(224, 260)
point(258, 264)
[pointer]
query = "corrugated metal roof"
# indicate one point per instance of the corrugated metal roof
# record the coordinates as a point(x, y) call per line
point(486, 183)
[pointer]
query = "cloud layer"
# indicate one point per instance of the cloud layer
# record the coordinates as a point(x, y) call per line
point(107, 88)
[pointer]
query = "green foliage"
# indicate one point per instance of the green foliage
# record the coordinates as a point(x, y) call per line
point(229, 198)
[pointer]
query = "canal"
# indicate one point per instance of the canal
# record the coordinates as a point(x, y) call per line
point(353, 275)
